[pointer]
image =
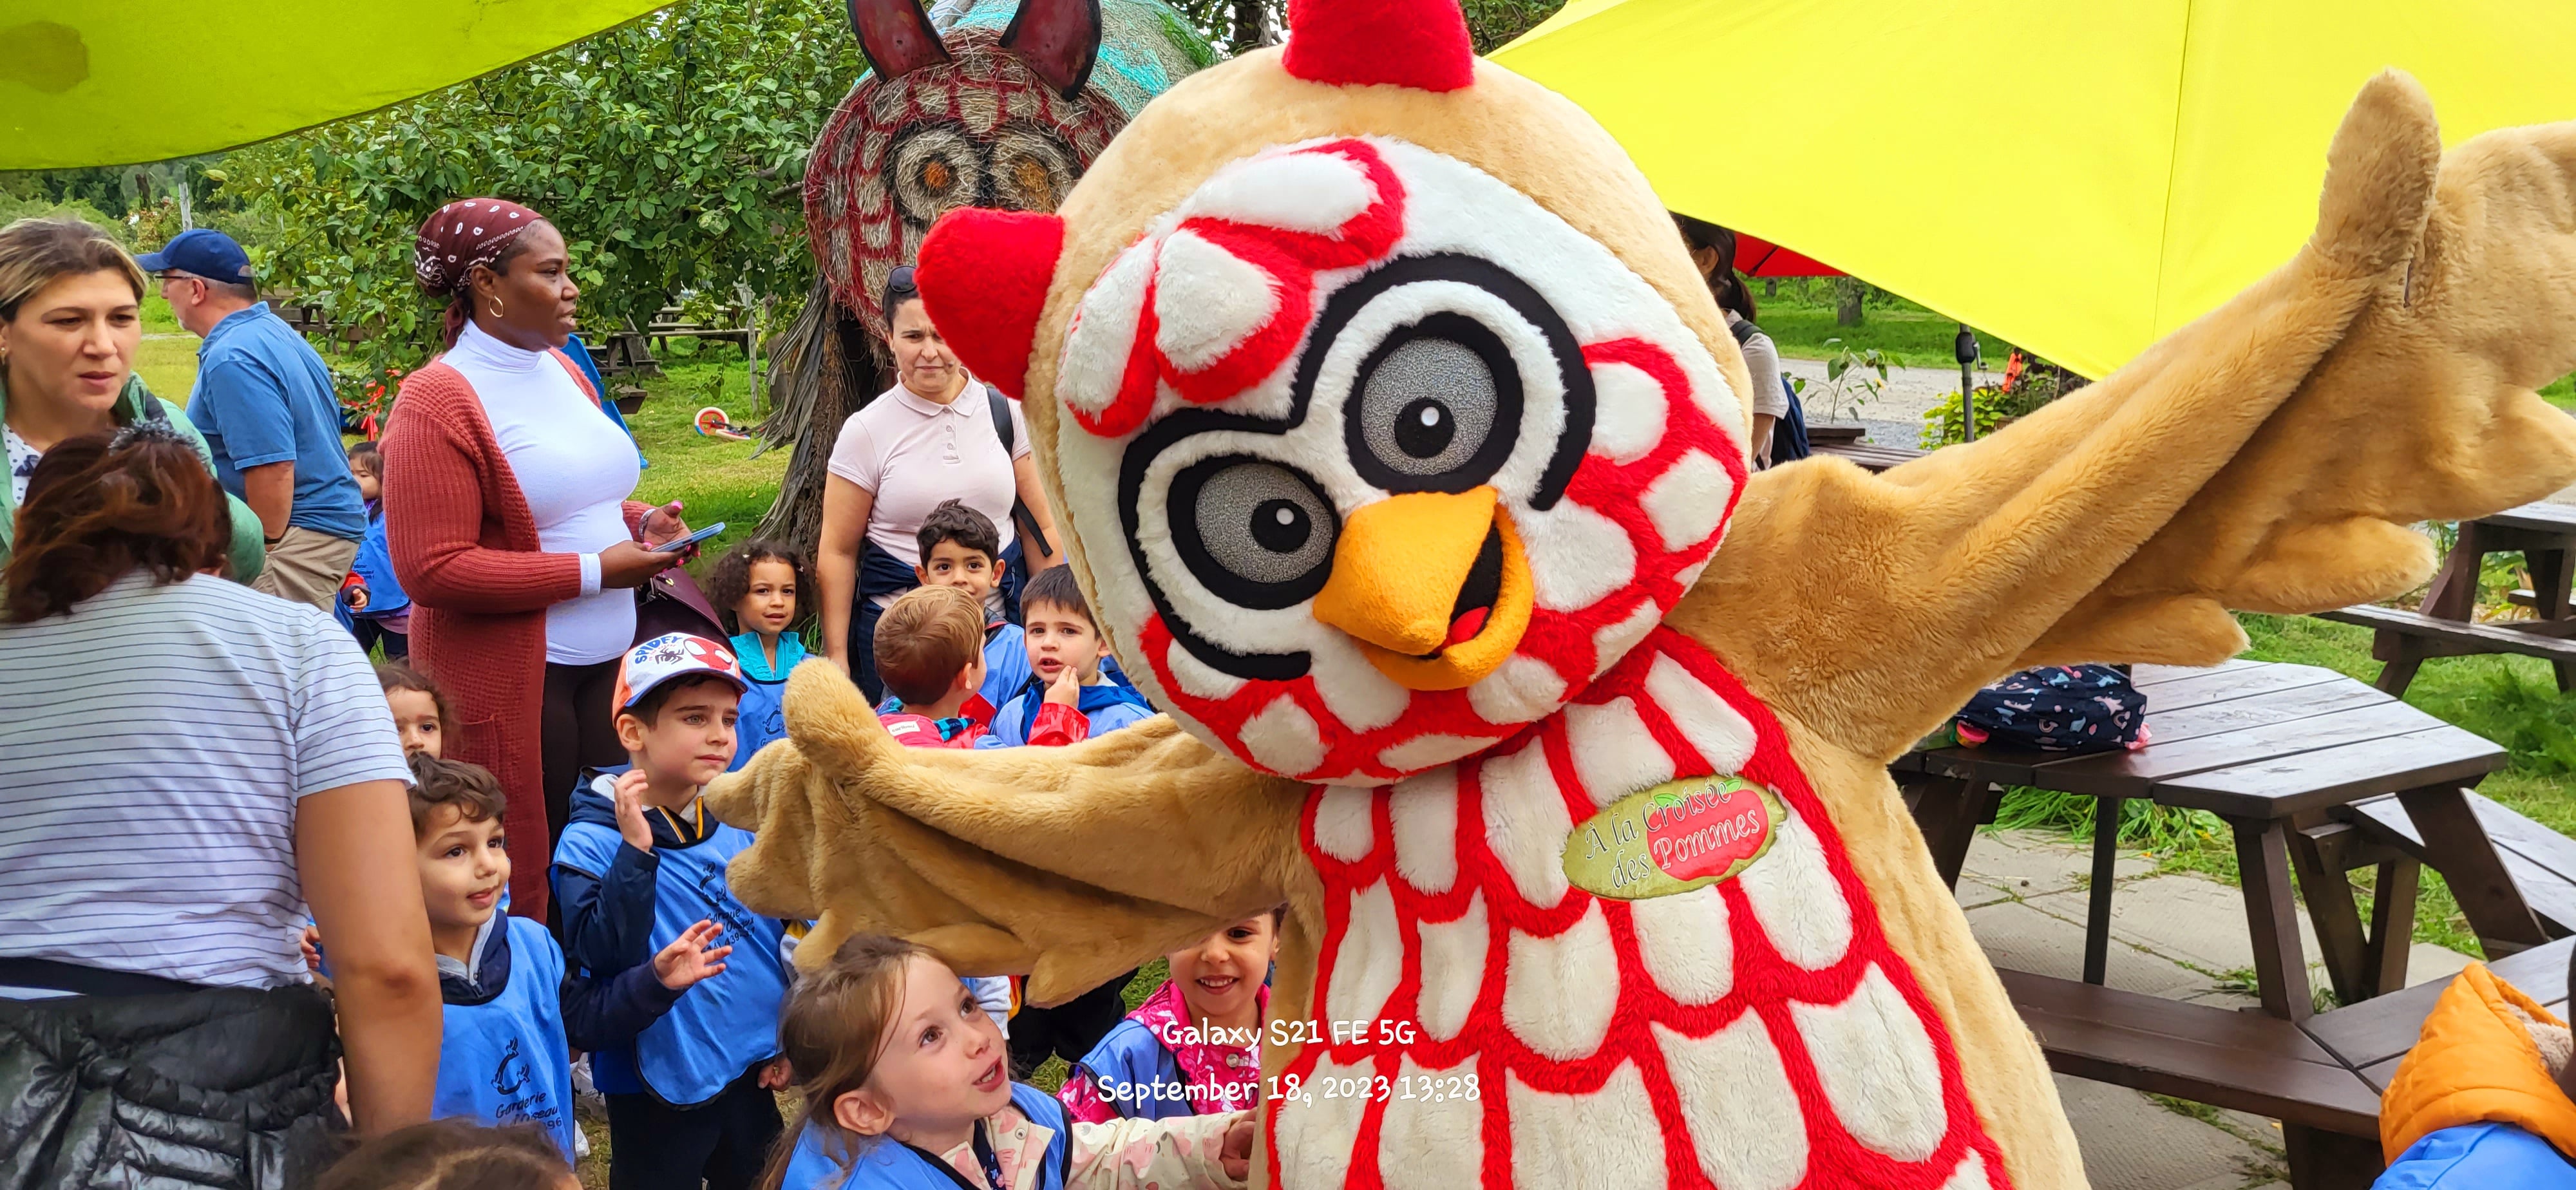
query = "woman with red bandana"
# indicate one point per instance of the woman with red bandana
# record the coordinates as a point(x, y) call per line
point(507, 513)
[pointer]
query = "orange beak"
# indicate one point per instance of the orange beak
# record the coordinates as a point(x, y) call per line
point(1434, 586)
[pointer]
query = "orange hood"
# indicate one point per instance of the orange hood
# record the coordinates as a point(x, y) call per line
point(2476, 1062)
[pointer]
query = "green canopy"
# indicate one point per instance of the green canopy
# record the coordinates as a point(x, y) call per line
point(147, 80)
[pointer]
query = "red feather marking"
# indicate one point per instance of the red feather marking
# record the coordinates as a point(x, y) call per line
point(1766, 984)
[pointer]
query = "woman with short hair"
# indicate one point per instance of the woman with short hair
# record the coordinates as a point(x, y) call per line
point(191, 768)
point(71, 304)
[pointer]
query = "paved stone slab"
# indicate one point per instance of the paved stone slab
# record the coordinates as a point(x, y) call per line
point(2037, 863)
point(2017, 936)
point(2184, 917)
point(2131, 1142)
point(2426, 963)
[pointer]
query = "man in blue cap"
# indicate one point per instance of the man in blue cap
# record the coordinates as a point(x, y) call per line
point(265, 402)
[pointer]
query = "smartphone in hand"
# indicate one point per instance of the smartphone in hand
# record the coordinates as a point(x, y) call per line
point(681, 543)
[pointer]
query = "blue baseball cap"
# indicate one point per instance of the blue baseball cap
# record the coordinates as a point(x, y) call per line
point(202, 252)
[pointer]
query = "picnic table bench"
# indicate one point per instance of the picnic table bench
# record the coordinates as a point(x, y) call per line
point(2308, 769)
point(2445, 626)
point(1844, 442)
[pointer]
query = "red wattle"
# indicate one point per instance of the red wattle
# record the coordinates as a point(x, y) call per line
point(1421, 44)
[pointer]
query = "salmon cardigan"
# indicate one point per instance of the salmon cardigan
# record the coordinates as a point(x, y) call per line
point(465, 547)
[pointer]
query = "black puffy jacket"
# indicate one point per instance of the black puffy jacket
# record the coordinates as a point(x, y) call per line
point(227, 1089)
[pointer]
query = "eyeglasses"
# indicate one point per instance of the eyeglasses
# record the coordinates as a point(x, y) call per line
point(900, 280)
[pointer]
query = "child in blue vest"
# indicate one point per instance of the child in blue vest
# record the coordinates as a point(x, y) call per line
point(691, 1098)
point(372, 605)
point(1066, 666)
point(759, 587)
point(1194, 1046)
point(510, 1011)
point(960, 548)
point(907, 1087)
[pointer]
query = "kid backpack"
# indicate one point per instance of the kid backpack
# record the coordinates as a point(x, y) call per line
point(2059, 708)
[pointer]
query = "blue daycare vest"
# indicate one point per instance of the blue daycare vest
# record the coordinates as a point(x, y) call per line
point(503, 1061)
point(2486, 1156)
point(763, 715)
point(725, 1024)
point(1131, 1056)
point(886, 1163)
point(1006, 666)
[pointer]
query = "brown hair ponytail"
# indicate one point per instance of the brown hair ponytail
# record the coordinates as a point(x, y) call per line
point(831, 1030)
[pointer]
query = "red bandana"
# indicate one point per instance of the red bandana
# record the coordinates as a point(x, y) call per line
point(463, 234)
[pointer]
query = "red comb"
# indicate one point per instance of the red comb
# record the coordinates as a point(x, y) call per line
point(1407, 43)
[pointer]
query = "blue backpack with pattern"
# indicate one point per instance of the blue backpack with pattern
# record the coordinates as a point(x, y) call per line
point(2059, 708)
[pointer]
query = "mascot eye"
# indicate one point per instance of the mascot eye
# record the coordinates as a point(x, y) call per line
point(1437, 407)
point(1255, 533)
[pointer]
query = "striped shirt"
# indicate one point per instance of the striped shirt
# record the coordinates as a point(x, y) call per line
point(153, 746)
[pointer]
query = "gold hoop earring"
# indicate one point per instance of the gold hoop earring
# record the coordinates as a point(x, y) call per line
point(496, 307)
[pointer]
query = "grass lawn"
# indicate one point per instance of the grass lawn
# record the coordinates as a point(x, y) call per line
point(717, 479)
point(1911, 337)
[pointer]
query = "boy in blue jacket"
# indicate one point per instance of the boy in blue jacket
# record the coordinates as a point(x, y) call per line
point(690, 1099)
point(1066, 666)
point(960, 548)
point(511, 1014)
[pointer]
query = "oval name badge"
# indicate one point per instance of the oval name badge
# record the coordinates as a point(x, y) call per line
point(1673, 838)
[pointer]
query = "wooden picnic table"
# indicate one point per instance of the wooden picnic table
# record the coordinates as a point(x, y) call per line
point(2283, 754)
point(2445, 625)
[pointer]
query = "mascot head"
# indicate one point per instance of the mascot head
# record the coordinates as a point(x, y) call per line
point(975, 103)
point(1376, 387)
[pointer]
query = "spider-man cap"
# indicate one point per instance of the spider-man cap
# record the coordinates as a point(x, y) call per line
point(674, 655)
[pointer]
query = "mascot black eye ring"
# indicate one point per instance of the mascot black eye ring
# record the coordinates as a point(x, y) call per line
point(1424, 429)
point(1306, 525)
point(1575, 377)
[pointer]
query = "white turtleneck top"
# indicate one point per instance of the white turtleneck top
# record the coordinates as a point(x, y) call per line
point(576, 471)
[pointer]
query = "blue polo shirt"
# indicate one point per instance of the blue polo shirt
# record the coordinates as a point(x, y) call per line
point(264, 396)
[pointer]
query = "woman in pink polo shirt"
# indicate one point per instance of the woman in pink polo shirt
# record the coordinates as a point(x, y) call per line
point(928, 439)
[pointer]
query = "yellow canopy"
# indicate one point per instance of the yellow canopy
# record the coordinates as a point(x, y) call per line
point(144, 80)
point(2080, 177)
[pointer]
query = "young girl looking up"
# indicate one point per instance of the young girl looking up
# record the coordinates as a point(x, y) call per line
point(760, 587)
point(907, 1084)
point(1194, 1046)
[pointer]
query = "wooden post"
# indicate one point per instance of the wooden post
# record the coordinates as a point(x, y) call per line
point(2458, 847)
point(2263, 867)
point(2106, 860)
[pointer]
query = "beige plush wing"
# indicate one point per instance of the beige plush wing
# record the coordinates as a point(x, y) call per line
point(1069, 864)
point(2269, 457)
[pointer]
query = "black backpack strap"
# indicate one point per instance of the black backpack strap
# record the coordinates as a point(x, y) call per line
point(1003, 428)
point(1009, 433)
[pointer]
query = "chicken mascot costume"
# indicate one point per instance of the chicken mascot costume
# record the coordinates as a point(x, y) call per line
point(1403, 453)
